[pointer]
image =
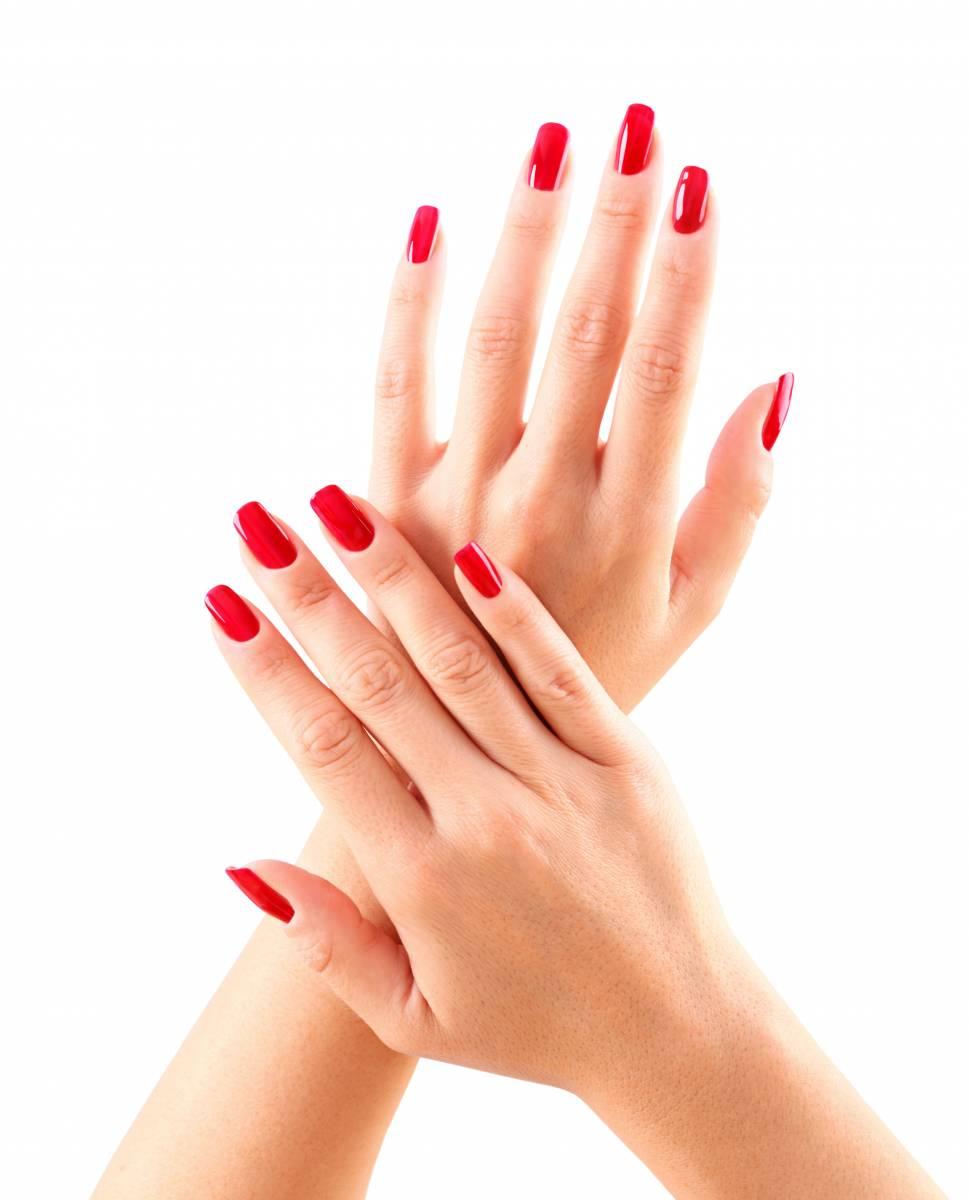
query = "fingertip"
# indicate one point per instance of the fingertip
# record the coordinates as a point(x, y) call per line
point(252, 882)
point(779, 408)
point(231, 614)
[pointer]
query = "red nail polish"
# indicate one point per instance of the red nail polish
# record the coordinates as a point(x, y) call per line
point(548, 157)
point(635, 138)
point(342, 518)
point(235, 617)
point(261, 894)
point(420, 240)
point(478, 569)
point(264, 536)
point(690, 200)
point(777, 413)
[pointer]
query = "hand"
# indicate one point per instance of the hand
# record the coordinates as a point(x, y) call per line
point(554, 918)
point(547, 893)
point(591, 526)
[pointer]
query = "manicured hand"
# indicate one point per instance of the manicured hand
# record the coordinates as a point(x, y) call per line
point(592, 526)
point(550, 914)
point(544, 884)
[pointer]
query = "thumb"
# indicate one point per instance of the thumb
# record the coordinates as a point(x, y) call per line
point(363, 965)
point(718, 525)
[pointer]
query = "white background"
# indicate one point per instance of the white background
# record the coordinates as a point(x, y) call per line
point(201, 205)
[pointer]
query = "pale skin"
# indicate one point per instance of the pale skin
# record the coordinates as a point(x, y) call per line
point(538, 851)
point(546, 843)
point(593, 529)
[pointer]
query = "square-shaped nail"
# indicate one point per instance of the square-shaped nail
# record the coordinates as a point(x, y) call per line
point(342, 518)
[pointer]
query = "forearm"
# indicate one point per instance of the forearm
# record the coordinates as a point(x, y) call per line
point(752, 1107)
point(278, 1090)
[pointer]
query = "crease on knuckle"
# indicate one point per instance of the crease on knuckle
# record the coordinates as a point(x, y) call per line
point(753, 500)
point(591, 330)
point(531, 223)
point(399, 379)
point(374, 680)
point(406, 295)
point(657, 369)
point(460, 666)
point(393, 573)
point(270, 666)
point(497, 338)
point(560, 683)
point(307, 595)
point(317, 952)
point(328, 738)
point(615, 213)
point(693, 597)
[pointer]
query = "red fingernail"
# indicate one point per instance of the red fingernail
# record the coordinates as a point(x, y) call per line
point(635, 138)
point(235, 617)
point(478, 569)
point(264, 536)
point(420, 240)
point(342, 518)
point(777, 413)
point(690, 200)
point(261, 894)
point(548, 157)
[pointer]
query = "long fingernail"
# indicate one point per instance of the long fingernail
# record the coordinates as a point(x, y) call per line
point(548, 157)
point(342, 518)
point(261, 894)
point(420, 240)
point(478, 569)
point(635, 138)
point(690, 200)
point(234, 616)
point(777, 413)
point(264, 536)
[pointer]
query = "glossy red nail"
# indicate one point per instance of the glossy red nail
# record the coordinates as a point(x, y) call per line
point(264, 536)
point(261, 894)
point(478, 569)
point(420, 240)
point(235, 617)
point(548, 157)
point(635, 138)
point(777, 413)
point(690, 200)
point(342, 518)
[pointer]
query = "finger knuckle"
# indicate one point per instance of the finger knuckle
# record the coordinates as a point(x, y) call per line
point(754, 500)
point(394, 573)
point(317, 952)
point(591, 331)
point(307, 595)
point(561, 683)
point(497, 338)
point(269, 667)
point(460, 665)
point(375, 679)
point(327, 738)
point(518, 621)
point(678, 274)
point(407, 295)
point(657, 369)
point(399, 379)
point(532, 223)
point(621, 214)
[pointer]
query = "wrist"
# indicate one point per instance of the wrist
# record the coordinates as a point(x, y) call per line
point(672, 1053)
point(739, 1100)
